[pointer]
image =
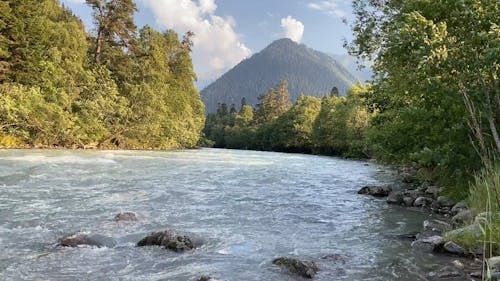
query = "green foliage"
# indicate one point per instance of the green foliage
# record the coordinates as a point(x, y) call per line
point(138, 93)
point(436, 83)
point(342, 124)
point(333, 125)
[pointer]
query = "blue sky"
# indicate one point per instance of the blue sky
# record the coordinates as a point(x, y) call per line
point(228, 31)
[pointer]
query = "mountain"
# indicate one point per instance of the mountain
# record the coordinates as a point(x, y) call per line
point(307, 71)
point(351, 64)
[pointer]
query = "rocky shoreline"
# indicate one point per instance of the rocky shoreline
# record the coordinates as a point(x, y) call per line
point(440, 236)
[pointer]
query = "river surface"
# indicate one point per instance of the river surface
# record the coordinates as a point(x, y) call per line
point(247, 207)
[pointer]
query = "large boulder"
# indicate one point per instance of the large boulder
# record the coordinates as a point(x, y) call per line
point(125, 216)
point(79, 240)
point(377, 191)
point(305, 269)
point(169, 239)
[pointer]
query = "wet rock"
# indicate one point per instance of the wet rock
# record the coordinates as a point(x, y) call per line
point(436, 226)
point(408, 201)
point(463, 217)
point(453, 248)
point(377, 191)
point(206, 278)
point(77, 240)
point(395, 197)
point(334, 257)
point(494, 263)
point(460, 206)
point(444, 201)
point(169, 239)
point(433, 190)
point(306, 269)
point(433, 243)
point(423, 202)
point(126, 216)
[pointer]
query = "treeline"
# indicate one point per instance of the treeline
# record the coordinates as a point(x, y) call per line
point(118, 87)
point(332, 125)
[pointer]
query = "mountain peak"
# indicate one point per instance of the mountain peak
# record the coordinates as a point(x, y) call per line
point(308, 72)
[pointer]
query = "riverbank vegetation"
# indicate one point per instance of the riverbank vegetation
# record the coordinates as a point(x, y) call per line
point(116, 87)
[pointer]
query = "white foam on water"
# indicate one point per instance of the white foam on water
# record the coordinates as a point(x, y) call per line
point(59, 159)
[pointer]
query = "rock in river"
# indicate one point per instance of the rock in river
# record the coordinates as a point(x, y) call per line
point(169, 239)
point(433, 243)
point(79, 239)
point(377, 191)
point(306, 269)
point(126, 216)
point(395, 197)
point(453, 248)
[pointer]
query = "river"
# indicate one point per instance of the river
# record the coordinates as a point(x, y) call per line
point(247, 207)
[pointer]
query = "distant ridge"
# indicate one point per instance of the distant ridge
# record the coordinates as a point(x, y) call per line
point(307, 71)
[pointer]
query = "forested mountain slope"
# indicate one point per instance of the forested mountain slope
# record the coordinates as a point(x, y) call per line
point(306, 70)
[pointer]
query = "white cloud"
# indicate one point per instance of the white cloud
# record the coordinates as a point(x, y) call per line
point(292, 28)
point(216, 44)
point(329, 7)
point(77, 1)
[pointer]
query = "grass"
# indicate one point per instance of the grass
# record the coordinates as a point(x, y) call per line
point(485, 198)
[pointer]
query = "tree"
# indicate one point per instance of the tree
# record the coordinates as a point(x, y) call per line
point(431, 56)
point(115, 27)
point(274, 104)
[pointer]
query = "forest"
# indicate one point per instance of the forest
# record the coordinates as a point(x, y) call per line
point(113, 87)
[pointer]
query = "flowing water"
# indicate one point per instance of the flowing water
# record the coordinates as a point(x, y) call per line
point(247, 207)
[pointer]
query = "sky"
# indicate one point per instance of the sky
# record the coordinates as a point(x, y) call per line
point(228, 31)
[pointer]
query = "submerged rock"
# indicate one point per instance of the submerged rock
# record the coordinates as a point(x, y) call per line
point(169, 239)
point(395, 197)
point(306, 269)
point(448, 273)
point(377, 191)
point(77, 240)
point(126, 216)
point(334, 258)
